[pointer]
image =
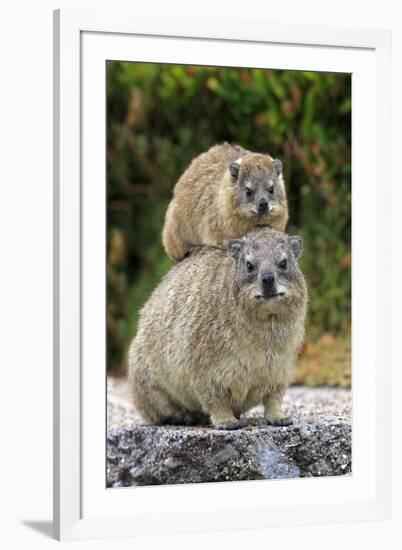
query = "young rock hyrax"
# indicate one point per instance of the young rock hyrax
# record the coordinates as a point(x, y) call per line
point(223, 194)
point(221, 332)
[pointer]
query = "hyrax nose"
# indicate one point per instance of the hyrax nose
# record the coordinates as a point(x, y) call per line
point(268, 279)
point(263, 205)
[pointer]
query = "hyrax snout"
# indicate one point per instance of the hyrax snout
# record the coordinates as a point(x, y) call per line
point(223, 194)
point(221, 332)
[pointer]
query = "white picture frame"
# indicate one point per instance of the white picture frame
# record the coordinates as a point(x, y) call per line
point(83, 507)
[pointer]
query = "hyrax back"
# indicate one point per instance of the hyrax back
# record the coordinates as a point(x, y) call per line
point(223, 194)
point(220, 334)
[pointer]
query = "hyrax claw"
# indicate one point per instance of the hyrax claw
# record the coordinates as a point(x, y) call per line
point(282, 421)
point(234, 425)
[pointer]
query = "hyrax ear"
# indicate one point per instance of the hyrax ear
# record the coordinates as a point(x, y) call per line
point(234, 168)
point(278, 166)
point(296, 244)
point(235, 247)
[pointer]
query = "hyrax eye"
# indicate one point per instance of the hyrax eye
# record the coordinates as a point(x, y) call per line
point(271, 190)
point(283, 264)
point(249, 192)
point(250, 267)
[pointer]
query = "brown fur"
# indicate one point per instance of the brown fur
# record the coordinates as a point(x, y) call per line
point(212, 340)
point(209, 205)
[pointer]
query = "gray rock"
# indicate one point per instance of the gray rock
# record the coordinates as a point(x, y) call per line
point(155, 455)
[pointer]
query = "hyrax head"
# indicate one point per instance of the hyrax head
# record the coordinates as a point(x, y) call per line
point(267, 272)
point(258, 185)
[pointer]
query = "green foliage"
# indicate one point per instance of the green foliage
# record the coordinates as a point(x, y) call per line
point(161, 116)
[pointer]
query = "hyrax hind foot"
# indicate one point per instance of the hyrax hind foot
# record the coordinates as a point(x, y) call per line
point(222, 417)
point(194, 419)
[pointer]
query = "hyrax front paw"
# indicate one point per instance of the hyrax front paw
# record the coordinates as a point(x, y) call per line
point(279, 420)
point(231, 425)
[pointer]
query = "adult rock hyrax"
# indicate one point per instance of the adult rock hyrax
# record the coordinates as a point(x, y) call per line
point(223, 194)
point(221, 332)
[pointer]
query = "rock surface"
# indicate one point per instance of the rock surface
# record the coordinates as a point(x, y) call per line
point(318, 444)
point(166, 455)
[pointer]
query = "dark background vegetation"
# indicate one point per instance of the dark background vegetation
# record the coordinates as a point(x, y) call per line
point(160, 116)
